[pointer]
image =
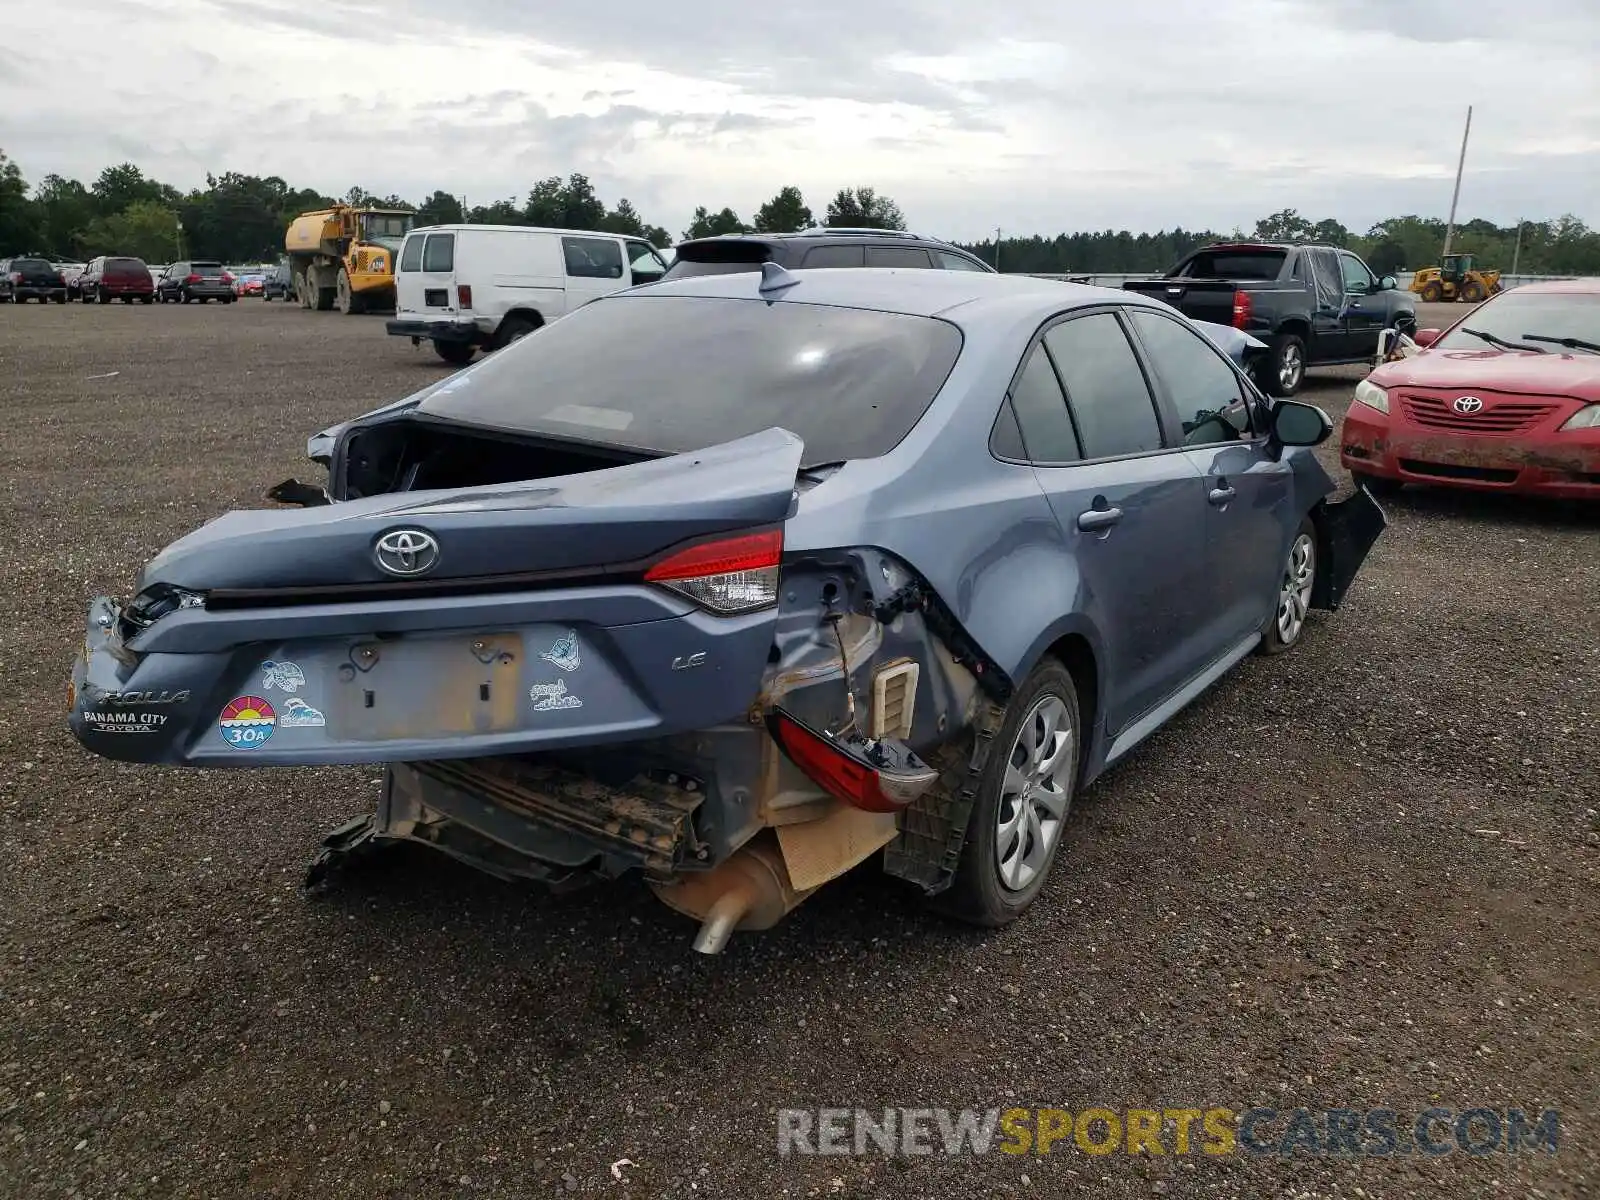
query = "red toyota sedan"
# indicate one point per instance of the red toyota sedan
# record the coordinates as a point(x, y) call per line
point(1507, 399)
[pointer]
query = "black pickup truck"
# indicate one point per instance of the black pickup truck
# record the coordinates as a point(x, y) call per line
point(1314, 306)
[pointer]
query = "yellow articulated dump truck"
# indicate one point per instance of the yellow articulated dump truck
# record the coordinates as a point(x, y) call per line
point(343, 257)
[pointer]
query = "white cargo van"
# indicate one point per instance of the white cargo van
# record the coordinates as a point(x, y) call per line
point(466, 286)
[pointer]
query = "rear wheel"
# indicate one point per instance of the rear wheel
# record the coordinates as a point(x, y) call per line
point(147, 299)
point(458, 353)
point(1282, 370)
point(1288, 620)
point(512, 329)
point(1472, 292)
point(1432, 292)
point(1024, 796)
point(59, 298)
point(345, 300)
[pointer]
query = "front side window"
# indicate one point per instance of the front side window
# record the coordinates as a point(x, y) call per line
point(1357, 279)
point(592, 258)
point(1210, 401)
point(1106, 389)
point(645, 264)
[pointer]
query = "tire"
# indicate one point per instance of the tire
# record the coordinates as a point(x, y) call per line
point(997, 879)
point(1472, 292)
point(1287, 624)
point(345, 300)
point(1282, 371)
point(459, 353)
point(61, 299)
point(147, 299)
point(126, 299)
point(100, 297)
point(1432, 292)
point(513, 329)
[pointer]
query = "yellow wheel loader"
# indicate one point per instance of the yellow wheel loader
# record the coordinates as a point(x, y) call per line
point(1458, 279)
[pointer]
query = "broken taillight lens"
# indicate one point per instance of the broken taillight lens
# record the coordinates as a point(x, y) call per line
point(727, 574)
point(1241, 309)
point(881, 776)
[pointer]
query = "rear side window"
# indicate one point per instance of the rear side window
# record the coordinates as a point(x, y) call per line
point(440, 252)
point(592, 258)
point(676, 373)
point(957, 262)
point(835, 256)
point(1042, 418)
point(411, 256)
point(1110, 400)
point(897, 256)
point(1234, 264)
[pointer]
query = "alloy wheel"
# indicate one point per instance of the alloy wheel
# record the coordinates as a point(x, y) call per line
point(1034, 793)
point(1294, 598)
point(1291, 365)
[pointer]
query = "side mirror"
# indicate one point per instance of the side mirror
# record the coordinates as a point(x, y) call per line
point(1388, 283)
point(1297, 424)
point(1425, 337)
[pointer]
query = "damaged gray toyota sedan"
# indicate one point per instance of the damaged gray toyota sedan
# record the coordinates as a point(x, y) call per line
point(741, 580)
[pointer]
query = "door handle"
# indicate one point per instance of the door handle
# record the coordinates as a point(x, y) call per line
point(1221, 495)
point(1098, 518)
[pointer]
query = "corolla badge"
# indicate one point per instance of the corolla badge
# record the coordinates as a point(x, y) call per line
point(1467, 405)
point(407, 552)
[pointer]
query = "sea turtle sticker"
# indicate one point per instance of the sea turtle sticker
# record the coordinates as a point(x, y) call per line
point(247, 722)
point(285, 676)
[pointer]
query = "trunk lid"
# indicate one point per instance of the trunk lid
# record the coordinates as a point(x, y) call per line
point(305, 651)
point(607, 519)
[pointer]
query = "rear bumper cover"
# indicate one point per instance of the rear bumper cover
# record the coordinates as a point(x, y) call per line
point(1559, 465)
point(436, 331)
point(31, 291)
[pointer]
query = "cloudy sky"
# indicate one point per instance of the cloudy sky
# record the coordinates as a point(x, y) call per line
point(1034, 115)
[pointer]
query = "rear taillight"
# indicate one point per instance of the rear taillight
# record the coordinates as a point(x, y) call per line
point(1241, 309)
point(876, 776)
point(464, 295)
point(193, 279)
point(226, 278)
point(16, 277)
point(725, 575)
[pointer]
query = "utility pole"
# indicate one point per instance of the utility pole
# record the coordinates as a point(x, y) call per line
point(1450, 229)
point(1516, 254)
point(997, 249)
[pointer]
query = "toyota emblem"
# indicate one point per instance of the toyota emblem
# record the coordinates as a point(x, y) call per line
point(407, 552)
point(1467, 405)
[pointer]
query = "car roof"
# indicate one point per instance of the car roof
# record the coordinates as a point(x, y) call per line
point(458, 227)
point(911, 292)
point(1587, 286)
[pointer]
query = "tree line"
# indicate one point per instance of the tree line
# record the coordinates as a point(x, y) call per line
point(242, 218)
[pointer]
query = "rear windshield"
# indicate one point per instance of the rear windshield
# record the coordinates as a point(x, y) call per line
point(677, 373)
point(1234, 264)
point(125, 266)
point(718, 258)
point(1514, 315)
point(30, 264)
point(206, 268)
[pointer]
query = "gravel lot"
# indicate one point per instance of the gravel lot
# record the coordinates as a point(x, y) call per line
point(1361, 875)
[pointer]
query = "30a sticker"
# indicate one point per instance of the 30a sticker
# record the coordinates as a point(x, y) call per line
point(247, 722)
point(547, 697)
point(297, 714)
point(564, 653)
point(285, 676)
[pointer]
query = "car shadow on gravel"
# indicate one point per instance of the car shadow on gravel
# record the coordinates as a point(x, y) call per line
point(1495, 507)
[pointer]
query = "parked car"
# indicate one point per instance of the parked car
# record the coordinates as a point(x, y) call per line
point(883, 563)
point(820, 247)
point(1507, 399)
point(195, 280)
point(279, 284)
point(115, 277)
point(463, 287)
point(247, 285)
point(24, 279)
point(1314, 306)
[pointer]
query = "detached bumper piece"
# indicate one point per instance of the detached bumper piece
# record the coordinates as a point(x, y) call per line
point(1348, 529)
